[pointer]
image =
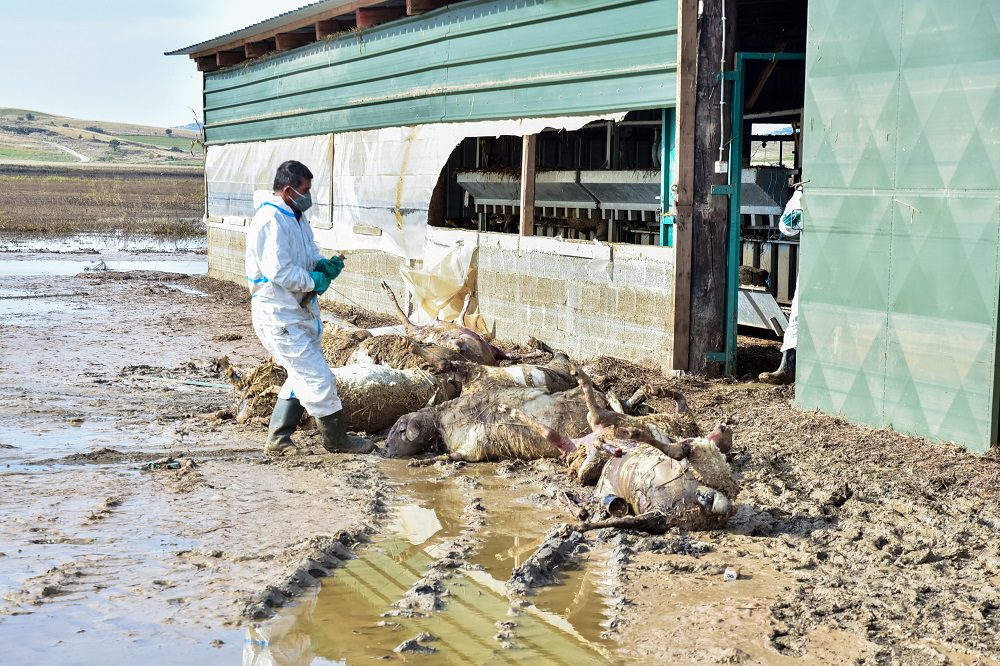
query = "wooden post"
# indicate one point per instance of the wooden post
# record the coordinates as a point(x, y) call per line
point(687, 88)
point(528, 144)
point(709, 219)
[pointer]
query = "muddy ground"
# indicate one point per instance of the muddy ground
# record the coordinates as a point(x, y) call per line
point(850, 544)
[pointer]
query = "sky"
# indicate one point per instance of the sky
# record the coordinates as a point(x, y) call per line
point(103, 59)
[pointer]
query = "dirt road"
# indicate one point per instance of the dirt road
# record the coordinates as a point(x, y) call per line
point(849, 544)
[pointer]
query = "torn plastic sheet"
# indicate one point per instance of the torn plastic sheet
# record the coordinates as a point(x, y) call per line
point(438, 289)
point(234, 171)
point(384, 179)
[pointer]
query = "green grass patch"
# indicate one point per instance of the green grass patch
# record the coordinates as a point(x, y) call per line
point(13, 153)
point(160, 141)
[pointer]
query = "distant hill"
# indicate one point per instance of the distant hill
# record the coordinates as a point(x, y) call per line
point(193, 127)
point(28, 137)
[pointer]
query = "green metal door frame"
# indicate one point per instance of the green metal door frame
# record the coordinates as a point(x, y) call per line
point(732, 190)
point(668, 176)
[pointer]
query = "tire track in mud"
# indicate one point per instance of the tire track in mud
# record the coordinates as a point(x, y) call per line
point(428, 582)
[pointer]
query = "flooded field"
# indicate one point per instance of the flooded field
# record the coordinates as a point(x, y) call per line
point(142, 524)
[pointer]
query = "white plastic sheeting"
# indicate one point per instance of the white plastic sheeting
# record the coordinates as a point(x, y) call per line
point(371, 189)
point(384, 179)
point(236, 170)
point(438, 289)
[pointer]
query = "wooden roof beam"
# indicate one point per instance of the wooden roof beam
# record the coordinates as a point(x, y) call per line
point(369, 16)
point(227, 58)
point(331, 27)
point(286, 41)
point(414, 7)
point(208, 63)
point(258, 49)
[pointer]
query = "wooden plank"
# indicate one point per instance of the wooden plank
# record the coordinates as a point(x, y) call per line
point(370, 16)
point(687, 80)
point(258, 49)
point(768, 71)
point(708, 219)
point(286, 41)
point(340, 10)
point(528, 149)
point(207, 63)
point(328, 28)
point(227, 58)
point(414, 7)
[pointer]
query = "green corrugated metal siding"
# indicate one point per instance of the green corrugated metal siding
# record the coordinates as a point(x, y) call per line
point(901, 254)
point(469, 61)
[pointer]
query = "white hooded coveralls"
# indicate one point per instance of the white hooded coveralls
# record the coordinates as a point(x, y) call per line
point(791, 338)
point(281, 252)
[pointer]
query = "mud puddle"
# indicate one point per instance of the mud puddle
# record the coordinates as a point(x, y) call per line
point(34, 266)
point(96, 243)
point(431, 588)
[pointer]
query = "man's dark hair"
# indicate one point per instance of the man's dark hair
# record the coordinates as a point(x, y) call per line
point(291, 174)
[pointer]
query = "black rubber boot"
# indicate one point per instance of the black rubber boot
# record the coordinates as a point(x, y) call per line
point(336, 439)
point(785, 374)
point(284, 419)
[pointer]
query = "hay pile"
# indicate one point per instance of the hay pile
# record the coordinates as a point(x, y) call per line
point(339, 343)
point(256, 391)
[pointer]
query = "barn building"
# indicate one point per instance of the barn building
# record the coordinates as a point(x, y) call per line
point(595, 172)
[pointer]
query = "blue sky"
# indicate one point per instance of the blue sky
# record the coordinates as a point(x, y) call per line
point(103, 59)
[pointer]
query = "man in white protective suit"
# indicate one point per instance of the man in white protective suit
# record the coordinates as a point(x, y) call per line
point(790, 225)
point(286, 274)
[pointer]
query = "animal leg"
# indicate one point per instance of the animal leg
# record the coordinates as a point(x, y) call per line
point(636, 399)
point(615, 403)
point(664, 392)
point(465, 309)
point(407, 324)
point(564, 444)
point(597, 417)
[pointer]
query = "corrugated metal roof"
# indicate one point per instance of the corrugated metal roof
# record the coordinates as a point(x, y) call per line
point(322, 7)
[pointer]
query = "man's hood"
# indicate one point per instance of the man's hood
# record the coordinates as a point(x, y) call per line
point(261, 197)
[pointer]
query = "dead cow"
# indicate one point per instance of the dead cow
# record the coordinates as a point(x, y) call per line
point(684, 484)
point(467, 342)
point(375, 396)
point(471, 427)
point(657, 428)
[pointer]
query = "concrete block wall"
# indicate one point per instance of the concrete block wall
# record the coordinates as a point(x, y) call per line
point(624, 310)
point(538, 287)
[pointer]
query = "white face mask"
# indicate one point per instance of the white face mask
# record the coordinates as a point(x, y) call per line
point(302, 202)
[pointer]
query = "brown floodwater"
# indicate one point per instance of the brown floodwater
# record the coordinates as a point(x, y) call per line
point(343, 620)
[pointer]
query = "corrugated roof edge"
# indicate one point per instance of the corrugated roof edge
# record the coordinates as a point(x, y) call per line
point(266, 25)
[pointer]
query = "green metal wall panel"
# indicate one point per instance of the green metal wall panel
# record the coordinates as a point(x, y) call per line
point(900, 262)
point(474, 60)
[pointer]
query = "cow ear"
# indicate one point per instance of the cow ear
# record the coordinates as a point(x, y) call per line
point(412, 432)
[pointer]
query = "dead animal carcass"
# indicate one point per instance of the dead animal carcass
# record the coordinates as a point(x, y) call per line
point(467, 342)
point(359, 347)
point(375, 396)
point(471, 428)
point(684, 484)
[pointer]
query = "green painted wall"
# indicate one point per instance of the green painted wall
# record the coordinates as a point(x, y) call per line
point(901, 254)
point(469, 61)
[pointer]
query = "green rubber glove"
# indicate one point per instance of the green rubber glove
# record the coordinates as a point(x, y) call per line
point(321, 280)
point(332, 267)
